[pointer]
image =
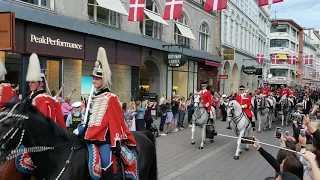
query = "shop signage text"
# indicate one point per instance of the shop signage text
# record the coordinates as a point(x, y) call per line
point(7, 31)
point(228, 54)
point(53, 42)
point(223, 76)
point(175, 59)
point(249, 70)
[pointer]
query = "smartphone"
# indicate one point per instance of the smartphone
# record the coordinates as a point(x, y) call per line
point(278, 132)
point(287, 133)
point(247, 142)
point(303, 132)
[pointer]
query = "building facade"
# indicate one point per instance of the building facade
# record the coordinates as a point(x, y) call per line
point(245, 32)
point(286, 39)
point(135, 50)
point(311, 75)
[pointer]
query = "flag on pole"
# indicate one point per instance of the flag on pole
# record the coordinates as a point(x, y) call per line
point(292, 59)
point(275, 59)
point(308, 59)
point(212, 5)
point(173, 9)
point(260, 58)
point(268, 2)
point(136, 10)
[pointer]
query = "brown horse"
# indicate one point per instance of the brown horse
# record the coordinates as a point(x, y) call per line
point(9, 171)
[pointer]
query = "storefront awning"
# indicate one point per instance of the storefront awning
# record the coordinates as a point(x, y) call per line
point(185, 31)
point(155, 17)
point(113, 5)
point(212, 63)
point(283, 56)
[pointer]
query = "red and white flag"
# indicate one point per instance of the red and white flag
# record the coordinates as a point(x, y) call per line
point(292, 59)
point(173, 9)
point(136, 10)
point(275, 59)
point(212, 5)
point(308, 59)
point(310, 73)
point(268, 2)
point(260, 58)
point(318, 74)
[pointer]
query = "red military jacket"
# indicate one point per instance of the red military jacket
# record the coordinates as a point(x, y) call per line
point(107, 117)
point(293, 93)
point(6, 93)
point(265, 91)
point(48, 107)
point(245, 99)
point(285, 91)
point(206, 97)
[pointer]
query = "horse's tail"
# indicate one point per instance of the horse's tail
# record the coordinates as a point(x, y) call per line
point(153, 172)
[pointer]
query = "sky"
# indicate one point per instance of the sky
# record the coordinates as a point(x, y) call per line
point(306, 13)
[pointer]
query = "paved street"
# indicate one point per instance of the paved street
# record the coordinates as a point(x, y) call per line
point(179, 160)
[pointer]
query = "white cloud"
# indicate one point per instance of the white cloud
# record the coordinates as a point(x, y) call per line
point(304, 12)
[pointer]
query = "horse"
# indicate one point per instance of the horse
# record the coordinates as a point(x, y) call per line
point(239, 123)
point(285, 104)
point(264, 108)
point(200, 118)
point(55, 152)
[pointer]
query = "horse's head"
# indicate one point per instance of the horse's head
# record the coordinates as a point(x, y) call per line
point(197, 100)
point(260, 101)
point(22, 124)
point(230, 108)
point(283, 101)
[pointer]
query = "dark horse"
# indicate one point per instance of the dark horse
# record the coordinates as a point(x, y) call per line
point(59, 154)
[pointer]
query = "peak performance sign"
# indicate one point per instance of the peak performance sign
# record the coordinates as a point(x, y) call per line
point(51, 41)
point(54, 42)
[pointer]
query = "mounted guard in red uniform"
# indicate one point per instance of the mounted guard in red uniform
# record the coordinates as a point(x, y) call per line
point(105, 126)
point(6, 92)
point(244, 99)
point(265, 91)
point(39, 98)
point(206, 98)
point(284, 91)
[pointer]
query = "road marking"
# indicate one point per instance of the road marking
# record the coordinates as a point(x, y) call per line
point(196, 162)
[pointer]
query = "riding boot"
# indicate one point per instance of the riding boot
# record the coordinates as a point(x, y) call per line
point(214, 130)
point(118, 175)
point(108, 173)
point(253, 124)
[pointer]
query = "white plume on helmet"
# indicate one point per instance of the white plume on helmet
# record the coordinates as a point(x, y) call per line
point(3, 70)
point(34, 69)
point(102, 68)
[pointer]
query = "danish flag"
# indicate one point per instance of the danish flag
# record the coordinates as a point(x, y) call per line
point(291, 59)
point(260, 58)
point(136, 10)
point(268, 2)
point(308, 59)
point(173, 9)
point(275, 59)
point(310, 73)
point(212, 5)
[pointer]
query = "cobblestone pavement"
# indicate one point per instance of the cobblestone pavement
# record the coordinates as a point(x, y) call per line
point(179, 160)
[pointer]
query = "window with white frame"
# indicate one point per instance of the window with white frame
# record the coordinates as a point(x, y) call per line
point(203, 37)
point(178, 38)
point(41, 3)
point(149, 27)
point(225, 27)
point(102, 15)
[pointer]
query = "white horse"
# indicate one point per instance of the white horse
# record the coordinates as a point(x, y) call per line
point(264, 112)
point(239, 122)
point(286, 109)
point(200, 118)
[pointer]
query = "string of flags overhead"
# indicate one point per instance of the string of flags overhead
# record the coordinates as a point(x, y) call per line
point(173, 8)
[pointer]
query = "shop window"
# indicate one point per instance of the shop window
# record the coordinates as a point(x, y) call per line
point(279, 43)
point(149, 27)
point(178, 38)
point(13, 64)
point(180, 80)
point(279, 72)
point(280, 28)
point(102, 15)
point(204, 37)
point(41, 3)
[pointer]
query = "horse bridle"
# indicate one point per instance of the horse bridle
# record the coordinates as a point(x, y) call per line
point(235, 119)
point(17, 152)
